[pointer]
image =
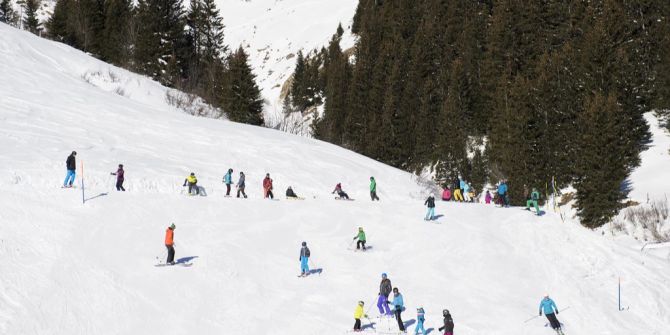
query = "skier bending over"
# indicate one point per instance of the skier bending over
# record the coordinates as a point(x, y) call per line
point(228, 179)
point(71, 166)
point(446, 194)
point(420, 317)
point(290, 193)
point(340, 193)
point(267, 187)
point(358, 314)
point(398, 307)
point(549, 307)
point(240, 185)
point(192, 182)
point(384, 291)
point(430, 202)
point(169, 243)
point(373, 189)
point(534, 197)
point(119, 178)
point(304, 258)
point(361, 238)
point(448, 323)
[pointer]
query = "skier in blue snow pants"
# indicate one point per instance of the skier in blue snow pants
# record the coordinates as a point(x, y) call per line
point(384, 292)
point(420, 319)
point(430, 202)
point(304, 258)
point(71, 166)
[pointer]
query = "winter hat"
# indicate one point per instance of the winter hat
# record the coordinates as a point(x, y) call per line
point(445, 312)
point(172, 226)
point(361, 303)
point(304, 244)
point(360, 228)
point(120, 165)
point(230, 170)
point(384, 275)
point(74, 153)
point(192, 173)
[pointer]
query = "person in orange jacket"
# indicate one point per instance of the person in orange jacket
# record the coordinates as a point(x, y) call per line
point(169, 243)
point(267, 187)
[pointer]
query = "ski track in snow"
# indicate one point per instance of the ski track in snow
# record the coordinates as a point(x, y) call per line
point(69, 268)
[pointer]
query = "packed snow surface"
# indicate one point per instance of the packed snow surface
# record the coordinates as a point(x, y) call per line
point(73, 268)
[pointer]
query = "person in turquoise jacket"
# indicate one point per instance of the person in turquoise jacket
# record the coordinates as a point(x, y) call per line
point(398, 307)
point(420, 317)
point(534, 198)
point(228, 180)
point(549, 307)
point(373, 189)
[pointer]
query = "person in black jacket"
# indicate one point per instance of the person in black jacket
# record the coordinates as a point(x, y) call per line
point(290, 193)
point(119, 178)
point(71, 166)
point(384, 291)
point(448, 323)
point(304, 259)
point(430, 202)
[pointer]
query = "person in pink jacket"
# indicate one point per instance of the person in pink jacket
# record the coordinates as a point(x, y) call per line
point(446, 194)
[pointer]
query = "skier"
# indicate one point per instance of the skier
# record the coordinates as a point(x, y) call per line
point(448, 323)
point(240, 185)
point(340, 193)
point(446, 194)
point(192, 182)
point(169, 243)
point(487, 198)
point(361, 238)
point(430, 202)
point(549, 307)
point(71, 166)
point(290, 193)
point(384, 291)
point(457, 190)
point(228, 179)
point(398, 307)
point(534, 197)
point(373, 189)
point(267, 187)
point(119, 178)
point(358, 314)
point(304, 258)
point(466, 191)
point(502, 193)
point(420, 318)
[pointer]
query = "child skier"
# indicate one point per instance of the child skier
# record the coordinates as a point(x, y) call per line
point(549, 307)
point(446, 194)
point(361, 238)
point(448, 323)
point(228, 179)
point(373, 189)
point(487, 198)
point(267, 187)
point(169, 243)
point(420, 317)
point(430, 202)
point(398, 307)
point(192, 182)
point(119, 178)
point(384, 291)
point(304, 258)
point(241, 185)
point(358, 314)
point(71, 166)
point(340, 193)
point(534, 197)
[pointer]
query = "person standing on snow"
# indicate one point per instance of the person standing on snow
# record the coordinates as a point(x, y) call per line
point(71, 166)
point(430, 202)
point(549, 307)
point(487, 198)
point(383, 299)
point(534, 198)
point(228, 180)
point(466, 192)
point(192, 183)
point(240, 185)
point(502, 193)
point(373, 189)
point(304, 258)
point(361, 238)
point(398, 307)
point(446, 194)
point(340, 192)
point(420, 317)
point(448, 323)
point(358, 314)
point(119, 178)
point(169, 243)
point(457, 195)
point(267, 187)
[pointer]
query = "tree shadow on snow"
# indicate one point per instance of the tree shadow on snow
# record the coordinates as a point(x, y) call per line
point(96, 196)
point(185, 260)
point(409, 323)
point(315, 271)
point(626, 186)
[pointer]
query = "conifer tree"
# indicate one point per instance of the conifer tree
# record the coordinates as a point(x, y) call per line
point(116, 47)
point(242, 97)
point(7, 14)
point(57, 25)
point(206, 40)
point(30, 21)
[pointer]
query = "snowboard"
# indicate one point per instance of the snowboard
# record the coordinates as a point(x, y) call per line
point(367, 248)
point(295, 198)
point(175, 264)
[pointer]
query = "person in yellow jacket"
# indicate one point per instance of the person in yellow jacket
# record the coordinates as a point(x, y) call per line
point(358, 314)
point(192, 182)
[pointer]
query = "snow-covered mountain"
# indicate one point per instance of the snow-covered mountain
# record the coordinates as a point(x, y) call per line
point(73, 268)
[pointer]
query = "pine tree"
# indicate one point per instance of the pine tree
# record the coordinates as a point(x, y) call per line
point(57, 25)
point(116, 46)
point(242, 96)
point(7, 14)
point(30, 21)
point(300, 82)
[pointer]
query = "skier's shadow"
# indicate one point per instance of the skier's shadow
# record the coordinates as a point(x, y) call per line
point(437, 216)
point(314, 271)
point(370, 325)
point(409, 323)
point(96, 196)
point(429, 330)
point(185, 260)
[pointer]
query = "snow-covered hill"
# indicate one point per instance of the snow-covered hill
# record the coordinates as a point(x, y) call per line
point(73, 268)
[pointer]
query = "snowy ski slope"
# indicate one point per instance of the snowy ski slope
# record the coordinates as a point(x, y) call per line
point(73, 268)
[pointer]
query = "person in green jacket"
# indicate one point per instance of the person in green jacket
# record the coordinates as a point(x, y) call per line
point(534, 198)
point(361, 238)
point(373, 189)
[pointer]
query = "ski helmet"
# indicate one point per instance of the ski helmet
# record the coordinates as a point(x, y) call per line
point(384, 275)
point(192, 173)
point(230, 170)
point(172, 226)
point(120, 165)
point(445, 312)
point(74, 153)
point(304, 244)
point(361, 303)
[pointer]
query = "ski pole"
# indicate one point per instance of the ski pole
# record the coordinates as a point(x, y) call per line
point(536, 316)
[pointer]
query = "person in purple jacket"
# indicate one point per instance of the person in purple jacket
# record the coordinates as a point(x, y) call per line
point(119, 178)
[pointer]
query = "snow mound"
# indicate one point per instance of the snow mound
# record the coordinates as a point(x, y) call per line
point(73, 268)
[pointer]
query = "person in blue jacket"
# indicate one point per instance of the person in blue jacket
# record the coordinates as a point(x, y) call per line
point(502, 192)
point(420, 317)
point(549, 308)
point(398, 307)
point(228, 180)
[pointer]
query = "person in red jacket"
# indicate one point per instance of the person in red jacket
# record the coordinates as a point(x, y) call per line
point(169, 243)
point(267, 187)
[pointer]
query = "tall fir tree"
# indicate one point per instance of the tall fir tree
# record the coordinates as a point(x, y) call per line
point(116, 47)
point(242, 97)
point(7, 13)
point(30, 21)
